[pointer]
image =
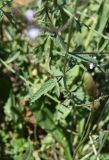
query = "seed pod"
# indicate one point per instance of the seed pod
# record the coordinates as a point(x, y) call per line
point(96, 104)
point(90, 85)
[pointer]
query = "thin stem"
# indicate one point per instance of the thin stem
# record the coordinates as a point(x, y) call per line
point(35, 132)
point(104, 140)
point(85, 133)
point(27, 82)
point(66, 56)
point(14, 72)
point(93, 147)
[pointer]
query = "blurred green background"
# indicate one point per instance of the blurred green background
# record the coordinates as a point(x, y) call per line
point(54, 79)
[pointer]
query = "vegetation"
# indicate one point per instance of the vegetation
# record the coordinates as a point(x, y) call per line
point(54, 80)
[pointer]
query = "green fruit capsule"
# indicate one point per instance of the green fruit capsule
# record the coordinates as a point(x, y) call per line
point(96, 104)
point(89, 85)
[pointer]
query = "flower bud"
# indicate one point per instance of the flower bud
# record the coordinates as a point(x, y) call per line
point(96, 104)
point(90, 85)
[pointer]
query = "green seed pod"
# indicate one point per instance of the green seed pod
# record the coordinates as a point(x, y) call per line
point(97, 104)
point(89, 85)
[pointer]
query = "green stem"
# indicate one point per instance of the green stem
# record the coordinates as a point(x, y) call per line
point(85, 133)
point(101, 146)
point(66, 56)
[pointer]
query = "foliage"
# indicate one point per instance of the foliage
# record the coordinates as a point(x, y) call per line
point(46, 113)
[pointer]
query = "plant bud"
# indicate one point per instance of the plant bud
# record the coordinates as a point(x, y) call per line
point(96, 104)
point(90, 85)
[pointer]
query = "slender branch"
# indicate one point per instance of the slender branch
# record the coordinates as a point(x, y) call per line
point(94, 148)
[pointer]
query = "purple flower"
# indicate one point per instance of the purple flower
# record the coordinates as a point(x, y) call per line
point(29, 14)
point(33, 32)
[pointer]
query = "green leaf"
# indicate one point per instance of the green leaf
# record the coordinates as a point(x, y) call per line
point(1, 5)
point(13, 57)
point(47, 86)
point(62, 111)
point(103, 18)
point(19, 145)
point(46, 120)
point(47, 142)
point(84, 57)
point(1, 15)
point(78, 25)
point(10, 18)
point(80, 94)
point(103, 15)
point(72, 74)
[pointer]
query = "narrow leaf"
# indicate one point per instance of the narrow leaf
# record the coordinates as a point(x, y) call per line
point(46, 120)
point(47, 86)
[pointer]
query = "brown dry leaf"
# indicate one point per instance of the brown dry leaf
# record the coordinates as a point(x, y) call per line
point(22, 2)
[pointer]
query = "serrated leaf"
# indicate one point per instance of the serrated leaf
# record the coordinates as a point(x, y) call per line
point(84, 57)
point(47, 86)
point(62, 111)
point(72, 74)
